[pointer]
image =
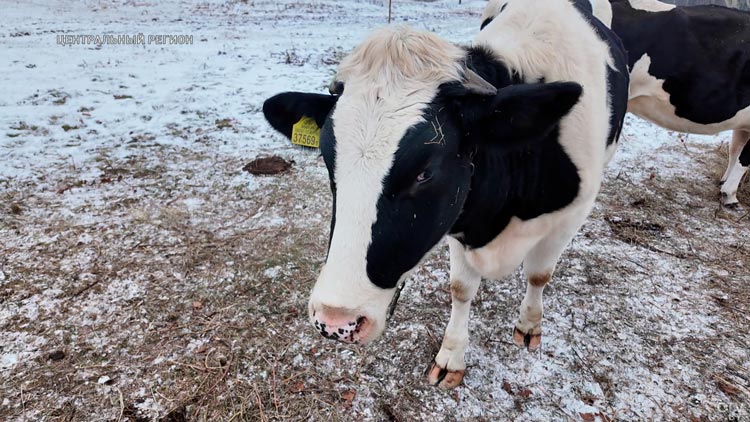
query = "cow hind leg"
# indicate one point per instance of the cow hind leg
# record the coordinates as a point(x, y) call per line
point(739, 160)
point(538, 268)
point(448, 369)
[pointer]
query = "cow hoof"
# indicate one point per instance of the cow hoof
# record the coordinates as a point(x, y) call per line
point(444, 378)
point(529, 341)
point(735, 207)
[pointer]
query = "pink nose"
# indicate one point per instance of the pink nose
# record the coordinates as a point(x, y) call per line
point(340, 324)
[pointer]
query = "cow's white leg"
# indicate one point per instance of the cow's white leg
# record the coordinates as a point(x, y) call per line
point(739, 138)
point(735, 171)
point(538, 267)
point(448, 369)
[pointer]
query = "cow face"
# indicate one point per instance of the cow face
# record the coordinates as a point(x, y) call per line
point(399, 161)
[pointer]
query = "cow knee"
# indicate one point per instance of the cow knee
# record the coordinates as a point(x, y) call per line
point(539, 280)
point(461, 292)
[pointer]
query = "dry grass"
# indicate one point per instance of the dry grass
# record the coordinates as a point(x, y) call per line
point(164, 288)
point(177, 308)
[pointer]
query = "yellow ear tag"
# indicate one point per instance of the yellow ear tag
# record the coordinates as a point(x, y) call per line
point(306, 133)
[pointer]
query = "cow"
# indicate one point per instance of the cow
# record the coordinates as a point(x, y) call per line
point(690, 72)
point(498, 147)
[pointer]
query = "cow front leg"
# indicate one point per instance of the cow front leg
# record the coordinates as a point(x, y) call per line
point(739, 151)
point(447, 370)
point(538, 267)
point(528, 330)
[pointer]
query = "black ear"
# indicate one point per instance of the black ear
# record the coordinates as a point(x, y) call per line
point(284, 110)
point(520, 113)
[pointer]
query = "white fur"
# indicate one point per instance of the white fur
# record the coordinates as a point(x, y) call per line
point(735, 171)
point(651, 5)
point(601, 9)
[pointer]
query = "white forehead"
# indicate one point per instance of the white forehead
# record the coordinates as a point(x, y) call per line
point(389, 79)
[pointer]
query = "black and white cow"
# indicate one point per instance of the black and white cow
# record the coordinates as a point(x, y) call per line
point(690, 72)
point(500, 146)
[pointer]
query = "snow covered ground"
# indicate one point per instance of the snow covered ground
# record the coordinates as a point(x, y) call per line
point(144, 275)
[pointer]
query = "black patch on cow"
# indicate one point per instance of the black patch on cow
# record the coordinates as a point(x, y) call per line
point(412, 217)
point(745, 155)
point(328, 151)
point(701, 52)
point(482, 60)
point(618, 78)
point(525, 183)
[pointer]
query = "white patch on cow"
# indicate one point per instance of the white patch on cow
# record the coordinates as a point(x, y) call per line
point(389, 79)
point(649, 100)
point(651, 5)
point(602, 10)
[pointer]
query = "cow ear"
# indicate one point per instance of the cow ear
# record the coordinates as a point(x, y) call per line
point(519, 114)
point(284, 110)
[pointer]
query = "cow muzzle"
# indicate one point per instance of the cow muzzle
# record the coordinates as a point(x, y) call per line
point(341, 324)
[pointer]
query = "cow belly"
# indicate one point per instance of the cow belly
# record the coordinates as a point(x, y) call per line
point(660, 111)
point(650, 101)
point(507, 251)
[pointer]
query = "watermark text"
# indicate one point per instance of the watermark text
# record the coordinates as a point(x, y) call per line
point(125, 39)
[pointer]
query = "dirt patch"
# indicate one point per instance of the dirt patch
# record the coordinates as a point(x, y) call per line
point(268, 165)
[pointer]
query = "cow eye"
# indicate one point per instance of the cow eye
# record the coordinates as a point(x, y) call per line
point(424, 176)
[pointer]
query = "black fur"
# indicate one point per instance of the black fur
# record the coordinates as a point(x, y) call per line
point(701, 52)
point(745, 155)
point(328, 151)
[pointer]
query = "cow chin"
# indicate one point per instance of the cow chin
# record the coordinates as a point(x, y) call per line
point(354, 313)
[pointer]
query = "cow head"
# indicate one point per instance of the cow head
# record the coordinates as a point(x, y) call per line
point(397, 136)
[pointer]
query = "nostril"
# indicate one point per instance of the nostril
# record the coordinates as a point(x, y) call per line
point(347, 331)
point(360, 323)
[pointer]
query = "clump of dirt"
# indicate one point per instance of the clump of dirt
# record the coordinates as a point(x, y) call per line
point(268, 165)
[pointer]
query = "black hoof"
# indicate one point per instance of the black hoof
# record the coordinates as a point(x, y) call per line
point(735, 207)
